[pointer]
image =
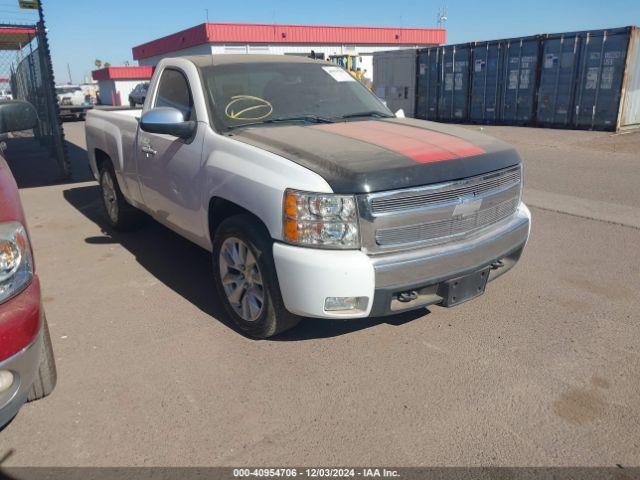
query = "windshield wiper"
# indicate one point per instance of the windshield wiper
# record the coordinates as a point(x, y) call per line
point(297, 118)
point(301, 118)
point(371, 113)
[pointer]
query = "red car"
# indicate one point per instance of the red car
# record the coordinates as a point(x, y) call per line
point(27, 368)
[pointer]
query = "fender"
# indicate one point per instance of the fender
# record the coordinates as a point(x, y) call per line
point(253, 179)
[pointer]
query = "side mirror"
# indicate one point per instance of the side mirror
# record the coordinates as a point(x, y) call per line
point(16, 115)
point(167, 121)
point(400, 113)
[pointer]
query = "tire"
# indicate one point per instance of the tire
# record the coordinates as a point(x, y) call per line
point(132, 104)
point(273, 318)
point(120, 215)
point(47, 376)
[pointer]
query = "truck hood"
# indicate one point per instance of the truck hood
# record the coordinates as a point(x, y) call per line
point(386, 154)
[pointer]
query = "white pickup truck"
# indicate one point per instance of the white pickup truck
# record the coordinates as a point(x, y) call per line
point(72, 101)
point(314, 199)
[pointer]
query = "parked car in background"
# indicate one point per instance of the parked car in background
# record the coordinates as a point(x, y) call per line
point(5, 94)
point(72, 101)
point(139, 94)
point(27, 367)
point(314, 199)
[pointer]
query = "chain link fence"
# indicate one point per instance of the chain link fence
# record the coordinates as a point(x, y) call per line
point(26, 74)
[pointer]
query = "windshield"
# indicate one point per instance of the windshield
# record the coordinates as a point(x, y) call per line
point(255, 93)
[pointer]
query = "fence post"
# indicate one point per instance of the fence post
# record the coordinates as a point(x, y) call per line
point(49, 93)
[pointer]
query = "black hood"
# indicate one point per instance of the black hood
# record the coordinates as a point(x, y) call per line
point(379, 155)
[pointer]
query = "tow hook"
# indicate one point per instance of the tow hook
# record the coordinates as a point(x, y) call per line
point(496, 265)
point(406, 297)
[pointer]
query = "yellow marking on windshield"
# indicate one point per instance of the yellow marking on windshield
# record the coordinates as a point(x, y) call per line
point(259, 104)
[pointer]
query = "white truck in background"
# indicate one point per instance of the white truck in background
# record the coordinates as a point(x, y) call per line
point(72, 101)
point(314, 199)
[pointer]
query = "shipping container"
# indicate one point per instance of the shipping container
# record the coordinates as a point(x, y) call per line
point(453, 99)
point(601, 73)
point(629, 114)
point(587, 80)
point(519, 84)
point(428, 83)
point(486, 81)
point(583, 80)
point(556, 91)
point(394, 79)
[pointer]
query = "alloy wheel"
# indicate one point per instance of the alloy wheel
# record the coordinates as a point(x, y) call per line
point(241, 279)
point(110, 197)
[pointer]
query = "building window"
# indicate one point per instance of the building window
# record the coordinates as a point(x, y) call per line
point(259, 49)
point(235, 49)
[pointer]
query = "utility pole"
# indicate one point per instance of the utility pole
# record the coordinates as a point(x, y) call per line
point(442, 17)
point(69, 72)
point(207, 12)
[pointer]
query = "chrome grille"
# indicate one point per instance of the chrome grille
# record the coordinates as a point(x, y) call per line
point(434, 214)
point(447, 192)
point(445, 228)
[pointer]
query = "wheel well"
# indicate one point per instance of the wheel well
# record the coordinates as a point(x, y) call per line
point(221, 209)
point(101, 158)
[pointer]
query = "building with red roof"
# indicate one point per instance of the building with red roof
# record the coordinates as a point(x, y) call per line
point(324, 41)
point(116, 83)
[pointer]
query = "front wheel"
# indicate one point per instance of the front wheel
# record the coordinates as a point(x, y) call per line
point(246, 280)
point(47, 376)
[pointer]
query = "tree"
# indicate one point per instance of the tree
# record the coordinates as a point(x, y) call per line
point(98, 63)
point(107, 64)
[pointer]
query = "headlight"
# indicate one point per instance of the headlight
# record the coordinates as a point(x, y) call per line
point(16, 263)
point(322, 220)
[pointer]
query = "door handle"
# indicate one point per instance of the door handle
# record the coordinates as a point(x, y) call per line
point(148, 150)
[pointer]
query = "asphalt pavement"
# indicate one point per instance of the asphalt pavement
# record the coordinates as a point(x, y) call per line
point(543, 370)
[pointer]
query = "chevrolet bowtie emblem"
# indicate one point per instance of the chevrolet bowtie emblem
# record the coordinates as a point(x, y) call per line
point(468, 206)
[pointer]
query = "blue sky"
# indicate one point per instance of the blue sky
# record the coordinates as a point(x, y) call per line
point(82, 30)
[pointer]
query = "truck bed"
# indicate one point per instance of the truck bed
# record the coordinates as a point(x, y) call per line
point(125, 119)
point(113, 132)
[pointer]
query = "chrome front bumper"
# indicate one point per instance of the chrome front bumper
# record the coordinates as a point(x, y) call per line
point(24, 366)
point(422, 270)
point(380, 278)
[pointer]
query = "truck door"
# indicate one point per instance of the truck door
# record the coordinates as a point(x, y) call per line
point(168, 166)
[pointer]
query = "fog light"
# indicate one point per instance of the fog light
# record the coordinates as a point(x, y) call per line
point(6, 380)
point(346, 304)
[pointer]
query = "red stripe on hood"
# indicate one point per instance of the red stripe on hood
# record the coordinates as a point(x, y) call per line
point(422, 146)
